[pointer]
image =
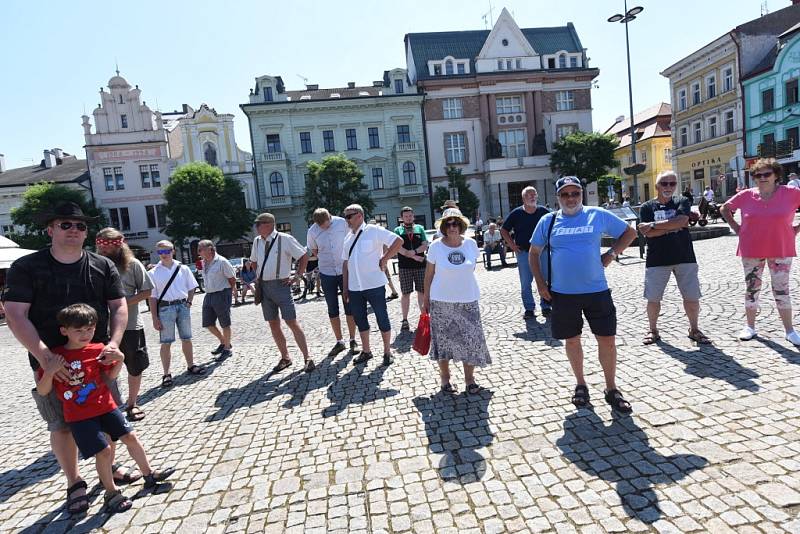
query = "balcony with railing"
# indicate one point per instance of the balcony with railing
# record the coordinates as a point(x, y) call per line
point(273, 156)
point(284, 201)
point(777, 149)
point(413, 190)
point(410, 146)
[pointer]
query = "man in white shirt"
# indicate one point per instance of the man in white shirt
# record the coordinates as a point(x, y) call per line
point(793, 181)
point(220, 281)
point(324, 240)
point(362, 273)
point(493, 244)
point(273, 253)
point(708, 194)
point(173, 308)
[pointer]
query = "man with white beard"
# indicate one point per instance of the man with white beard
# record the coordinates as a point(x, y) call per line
point(575, 283)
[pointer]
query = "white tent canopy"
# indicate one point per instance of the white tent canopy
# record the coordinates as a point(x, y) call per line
point(10, 251)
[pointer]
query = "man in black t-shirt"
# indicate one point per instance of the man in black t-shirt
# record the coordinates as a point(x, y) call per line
point(41, 284)
point(665, 224)
point(522, 221)
point(411, 262)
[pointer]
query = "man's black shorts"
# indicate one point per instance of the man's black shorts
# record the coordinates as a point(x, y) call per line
point(566, 320)
point(134, 347)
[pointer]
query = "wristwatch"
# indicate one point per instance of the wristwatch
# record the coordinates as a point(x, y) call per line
point(613, 253)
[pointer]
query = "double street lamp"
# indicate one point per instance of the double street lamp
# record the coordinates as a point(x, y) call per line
point(634, 169)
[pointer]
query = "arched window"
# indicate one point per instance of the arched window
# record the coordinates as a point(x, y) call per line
point(210, 154)
point(562, 61)
point(448, 67)
point(409, 173)
point(120, 99)
point(276, 188)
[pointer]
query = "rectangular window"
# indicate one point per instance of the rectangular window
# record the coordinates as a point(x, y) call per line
point(768, 139)
point(563, 130)
point(643, 156)
point(109, 178)
point(455, 148)
point(350, 136)
point(508, 64)
point(565, 101)
point(374, 140)
point(399, 86)
point(513, 143)
point(124, 120)
point(684, 135)
point(377, 178)
point(562, 61)
point(461, 68)
point(327, 141)
point(573, 62)
point(119, 179)
point(695, 93)
point(156, 216)
point(144, 172)
point(452, 108)
point(155, 175)
point(711, 86)
point(284, 227)
point(8, 229)
point(727, 79)
point(682, 99)
point(698, 132)
point(113, 215)
point(448, 68)
point(667, 155)
point(508, 104)
point(551, 63)
point(437, 70)
point(500, 64)
point(382, 220)
point(120, 219)
point(305, 142)
point(268, 94)
point(729, 124)
point(403, 133)
point(793, 136)
point(712, 127)
point(273, 143)
point(767, 100)
point(791, 92)
point(518, 63)
point(150, 211)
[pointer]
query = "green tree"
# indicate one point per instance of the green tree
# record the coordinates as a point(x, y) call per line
point(202, 202)
point(335, 183)
point(44, 196)
point(468, 201)
point(587, 155)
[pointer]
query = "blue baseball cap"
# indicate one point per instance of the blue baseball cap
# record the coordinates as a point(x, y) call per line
point(568, 180)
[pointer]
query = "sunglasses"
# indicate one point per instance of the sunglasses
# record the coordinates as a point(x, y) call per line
point(764, 174)
point(574, 194)
point(668, 184)
point(348, 216)
point(451, 223)
point(66, 225)
point(164, 251)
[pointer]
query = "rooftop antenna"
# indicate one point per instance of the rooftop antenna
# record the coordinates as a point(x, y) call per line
point(305, 80)
point(116, 64)
point(490, 21)
point(764, 8)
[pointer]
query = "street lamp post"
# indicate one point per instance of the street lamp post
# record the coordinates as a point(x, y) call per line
point(630, 14)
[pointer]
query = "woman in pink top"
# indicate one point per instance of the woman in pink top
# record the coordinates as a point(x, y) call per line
point(766, 235)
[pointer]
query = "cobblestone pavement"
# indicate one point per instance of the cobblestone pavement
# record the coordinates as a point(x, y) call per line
point(713, 444)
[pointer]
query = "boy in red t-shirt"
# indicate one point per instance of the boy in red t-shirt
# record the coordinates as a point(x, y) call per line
point(89, 408)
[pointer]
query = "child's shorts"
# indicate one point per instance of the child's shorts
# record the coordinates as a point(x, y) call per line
point(90, 434)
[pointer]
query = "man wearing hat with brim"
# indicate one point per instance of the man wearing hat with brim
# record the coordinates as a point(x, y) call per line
point(793, 180)
point(41, 284)
point(575, 281)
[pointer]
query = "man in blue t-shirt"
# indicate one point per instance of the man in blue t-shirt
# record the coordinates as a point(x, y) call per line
point(522, 221)
point(576, 283)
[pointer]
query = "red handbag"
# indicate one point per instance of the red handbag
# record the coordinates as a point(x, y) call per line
point(422, 339)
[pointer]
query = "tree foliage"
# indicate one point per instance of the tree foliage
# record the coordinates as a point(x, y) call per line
point(335, 183)
point(468, 201)
point(202, 202)
point(42, 197)
point(587, 155)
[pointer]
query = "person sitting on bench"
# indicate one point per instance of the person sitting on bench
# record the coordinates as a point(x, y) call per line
point(493, 244)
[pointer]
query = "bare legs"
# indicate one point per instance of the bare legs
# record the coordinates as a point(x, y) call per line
point(224, 336)
point(166, 354)
point(280, 338)
point(607, 352)
point(444, 373)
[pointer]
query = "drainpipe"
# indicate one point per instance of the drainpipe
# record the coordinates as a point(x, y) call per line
point(427, 159)
point(739, 88)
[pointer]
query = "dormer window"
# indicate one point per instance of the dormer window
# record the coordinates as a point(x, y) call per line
point(461, 68)
point(268, 94)
point(500, 64)
point(398, 86)
point(120, 99)
point(448, 67)
point(562, 61)
point(437, 70)
point(124, 120)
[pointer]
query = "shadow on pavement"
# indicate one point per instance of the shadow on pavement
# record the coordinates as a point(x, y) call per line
point(457, 425)
point(12, 481)
point(354, 387)
point(538, 331)
point(403, 341)
point(621, 453)
point(711, 362)
point(183, 379)
point(791, 356)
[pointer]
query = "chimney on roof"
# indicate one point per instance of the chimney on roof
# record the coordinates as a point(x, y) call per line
point(49, 159)
point(312, 87)
point(58, 153)
point(185, 108)
point(352, 85)
point(2, 163)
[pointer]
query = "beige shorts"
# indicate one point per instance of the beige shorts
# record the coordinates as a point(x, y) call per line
point(656, 278)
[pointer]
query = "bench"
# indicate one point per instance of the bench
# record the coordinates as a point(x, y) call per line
point(507, 252)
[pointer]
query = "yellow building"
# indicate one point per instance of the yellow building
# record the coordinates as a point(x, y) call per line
point(653, 149)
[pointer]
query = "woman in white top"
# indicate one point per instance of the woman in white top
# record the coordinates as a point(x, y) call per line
point(451, 298)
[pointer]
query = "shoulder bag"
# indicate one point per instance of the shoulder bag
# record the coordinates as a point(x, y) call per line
point(258, 294)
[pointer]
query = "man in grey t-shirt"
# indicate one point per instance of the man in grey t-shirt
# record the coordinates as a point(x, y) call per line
point(137, 285)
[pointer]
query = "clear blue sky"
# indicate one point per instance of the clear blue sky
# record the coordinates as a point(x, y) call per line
point(55, 56)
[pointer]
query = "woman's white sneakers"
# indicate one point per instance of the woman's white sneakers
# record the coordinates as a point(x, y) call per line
point(793, 338)
point(747, 333)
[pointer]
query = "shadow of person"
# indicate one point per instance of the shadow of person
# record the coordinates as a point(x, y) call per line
point(456, 426)
point(260, 390)
point(791, 356)
point(403, 341)
point(536, 331)
point(325, 374)
point(621, 453)
point(15, 480)
point(708, 361)
point(183, 379)
point(354, 387)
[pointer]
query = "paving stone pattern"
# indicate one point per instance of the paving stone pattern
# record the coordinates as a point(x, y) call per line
point(712, 446)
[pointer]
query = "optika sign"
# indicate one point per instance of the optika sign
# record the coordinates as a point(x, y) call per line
point(705, 162)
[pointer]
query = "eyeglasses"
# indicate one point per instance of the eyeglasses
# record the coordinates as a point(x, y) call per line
point(574, 194)
point(66, 225)
point(164, 251)
point(348, 216)
point(668, 184)
point(764, 174)
point(451, 223)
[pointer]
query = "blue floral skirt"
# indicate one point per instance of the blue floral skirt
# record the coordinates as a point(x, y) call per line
point(457, 333)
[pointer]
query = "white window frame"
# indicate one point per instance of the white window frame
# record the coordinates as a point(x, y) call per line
point(683, 135)
point(733, 121)
point(696, 90)
point(563, 130)
point(508, 104)
point(452, 108)
point(712, 127)
point(455, 148)
point(565, 100)
point(683, 99)
point(711, 82)
point(726, 86)
point(697, 128)
point(667, 155)
point(513, 142)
